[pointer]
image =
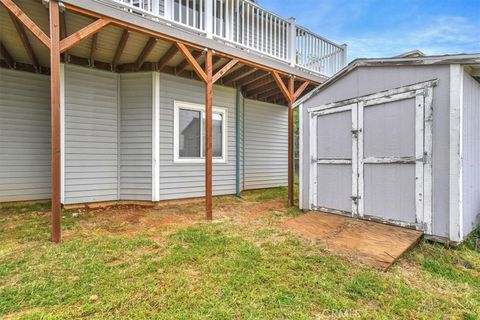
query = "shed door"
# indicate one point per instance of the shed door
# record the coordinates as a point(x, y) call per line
point(372, 158)
point(391, 158)
point(335, 160)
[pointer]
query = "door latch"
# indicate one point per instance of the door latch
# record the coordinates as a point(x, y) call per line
point(355, 198)
point(356, 132)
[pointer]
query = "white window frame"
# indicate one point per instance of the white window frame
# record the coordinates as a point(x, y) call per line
point(177, 105)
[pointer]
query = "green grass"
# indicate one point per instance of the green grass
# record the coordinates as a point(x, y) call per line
point(222, 270)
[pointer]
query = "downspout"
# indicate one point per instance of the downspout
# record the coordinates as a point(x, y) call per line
point(237, 142)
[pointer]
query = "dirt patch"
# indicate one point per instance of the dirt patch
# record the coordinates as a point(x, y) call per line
point(247, 212)
point(169, 217)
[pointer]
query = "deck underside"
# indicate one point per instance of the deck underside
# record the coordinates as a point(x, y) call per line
point(120, 50)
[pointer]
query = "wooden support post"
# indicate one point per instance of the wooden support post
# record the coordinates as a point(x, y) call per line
point(224, 70)
point(185, 63)
point(291, 169)
point(290, 96)
point(193, 62)
point(208, 133)
point(300, 90)
point(55, 118)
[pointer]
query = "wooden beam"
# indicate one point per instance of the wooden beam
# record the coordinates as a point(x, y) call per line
point(7, 57)
point(193, 62)
point(193, 75)
point(184, 64)
point(274, 97)
point(63, 26)
point(27, 67)
point(259, 83)
point(238, 74)
point(120, 48)
point(262, 89)
point(291, 168)
point(63, 31)
point(83, 33)
point(27, 22)
point(93, 49)
point(224, 70)
point(81, 61)
point(24, 38)
point(145, 52)
point(257, 75)
point(132, 67)
point(55, 119)
point(273, 92)
point(208, 133)
point(282, 86)
point(300, 90)
point(167, 57)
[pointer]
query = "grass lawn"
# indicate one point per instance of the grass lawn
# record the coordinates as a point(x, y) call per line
point(167, 263)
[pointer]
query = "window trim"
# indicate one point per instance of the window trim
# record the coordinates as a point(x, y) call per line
point(177, 105)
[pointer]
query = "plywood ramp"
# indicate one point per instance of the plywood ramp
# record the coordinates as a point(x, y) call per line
point(375, 244)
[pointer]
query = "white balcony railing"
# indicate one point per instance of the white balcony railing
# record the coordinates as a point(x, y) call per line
point(245, 24)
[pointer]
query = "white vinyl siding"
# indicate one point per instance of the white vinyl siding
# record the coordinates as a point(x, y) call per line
point(24, 136)
point(136, 136)
point(187, 180)
point(265, 145)
point(91, 135)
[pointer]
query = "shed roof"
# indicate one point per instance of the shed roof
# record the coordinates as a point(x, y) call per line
point(412, 58)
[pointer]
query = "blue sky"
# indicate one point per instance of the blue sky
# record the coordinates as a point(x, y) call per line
point(375, 28)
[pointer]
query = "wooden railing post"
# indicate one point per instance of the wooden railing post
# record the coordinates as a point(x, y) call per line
point(55, 119)
point(292, 42)
point(209, 18)
point(208, 133)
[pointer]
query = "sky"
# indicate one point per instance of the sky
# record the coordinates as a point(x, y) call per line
point(376, 28)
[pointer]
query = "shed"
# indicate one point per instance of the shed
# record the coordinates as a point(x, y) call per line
point(396, 140)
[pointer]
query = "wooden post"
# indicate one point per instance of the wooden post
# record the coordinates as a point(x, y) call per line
point(291, 156)
point(208, 133)
point(55, 118)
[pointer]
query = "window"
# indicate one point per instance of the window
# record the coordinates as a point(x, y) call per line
point(189, 136)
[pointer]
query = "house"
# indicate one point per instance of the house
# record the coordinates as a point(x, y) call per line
point(150, 100)
point(396, 140)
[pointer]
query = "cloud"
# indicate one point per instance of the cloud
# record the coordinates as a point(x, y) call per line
point(440, 35)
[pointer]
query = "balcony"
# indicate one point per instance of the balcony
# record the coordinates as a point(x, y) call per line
point(245, 25)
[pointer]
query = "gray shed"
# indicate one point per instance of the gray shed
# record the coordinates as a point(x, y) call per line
point(396, 140)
